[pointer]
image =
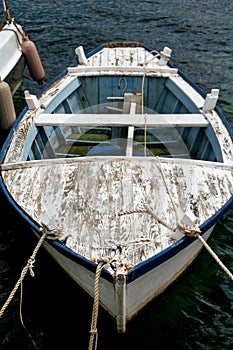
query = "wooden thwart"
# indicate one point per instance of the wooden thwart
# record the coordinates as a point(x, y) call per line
point(151, 120)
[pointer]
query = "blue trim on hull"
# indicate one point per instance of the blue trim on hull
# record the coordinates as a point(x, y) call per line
point(154, 261)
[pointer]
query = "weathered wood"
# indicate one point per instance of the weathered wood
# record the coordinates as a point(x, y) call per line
point(151, 120)
point(107, 70)
point(87, 211)
point(69, 161)
point(129, 208)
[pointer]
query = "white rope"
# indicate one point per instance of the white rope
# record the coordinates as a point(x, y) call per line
point(167, 187)
point(93, 331)
point(216, 258)
point(46, 233)
point(145, 132)
point(191, 231)
point(143, 89)
point(29, 266)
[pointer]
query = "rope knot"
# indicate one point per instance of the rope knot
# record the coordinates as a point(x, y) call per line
point(103, 260)
point(50, 233)
point(93, 331)
point(31, 262)
point(191, 231)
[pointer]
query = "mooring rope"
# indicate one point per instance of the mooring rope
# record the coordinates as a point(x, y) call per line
point(211, 252)
point(220, 263)
point(29, 266)
point(46, 233)
point(143, 90)
point(93, 330)
point(191, 231)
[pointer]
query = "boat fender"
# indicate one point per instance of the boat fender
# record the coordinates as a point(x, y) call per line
point(33, 60)
point(7, 109)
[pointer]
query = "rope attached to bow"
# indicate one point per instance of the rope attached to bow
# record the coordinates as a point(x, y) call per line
point(93, 331)
point(50, 234)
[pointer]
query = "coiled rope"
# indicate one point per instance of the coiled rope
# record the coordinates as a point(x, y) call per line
point(95, 310)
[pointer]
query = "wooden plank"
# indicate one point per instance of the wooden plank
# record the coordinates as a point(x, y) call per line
point(151, 120)
point(148, 160)
point(116, 70)
point(129, 147)
point(120, 298)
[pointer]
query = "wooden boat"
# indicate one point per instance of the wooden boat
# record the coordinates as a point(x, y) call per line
point(127, 161)
point(16, 50)
point(12, 62)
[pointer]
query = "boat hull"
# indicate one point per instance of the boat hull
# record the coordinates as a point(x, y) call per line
point(14, 78)
point(124, 160)
point(140, 291)
point(12, 61)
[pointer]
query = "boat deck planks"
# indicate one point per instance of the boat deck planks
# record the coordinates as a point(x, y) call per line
point(88, 211)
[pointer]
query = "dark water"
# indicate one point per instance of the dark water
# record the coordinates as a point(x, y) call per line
point(196, 312)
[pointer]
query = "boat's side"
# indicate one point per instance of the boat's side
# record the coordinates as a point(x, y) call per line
point(167, 269)
point(87, 164)
point(135, 295)
point(10, 48)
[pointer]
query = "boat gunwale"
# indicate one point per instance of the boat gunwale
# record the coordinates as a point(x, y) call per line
point(71, 160)
point(157, 259)
point(217, 109)
point(63, 74)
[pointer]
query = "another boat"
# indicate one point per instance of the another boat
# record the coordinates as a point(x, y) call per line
point(12, 62)
point(16, 50)
point(126, 161)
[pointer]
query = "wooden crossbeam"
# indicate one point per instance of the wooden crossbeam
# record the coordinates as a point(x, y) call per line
point(140, 120)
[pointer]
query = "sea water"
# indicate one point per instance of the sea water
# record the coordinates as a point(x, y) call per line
point(196, 312)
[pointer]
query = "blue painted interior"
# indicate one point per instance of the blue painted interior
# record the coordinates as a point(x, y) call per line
point(90, 95)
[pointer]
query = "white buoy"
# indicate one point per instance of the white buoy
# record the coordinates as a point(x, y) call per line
point(7, 109)
point(33, 60)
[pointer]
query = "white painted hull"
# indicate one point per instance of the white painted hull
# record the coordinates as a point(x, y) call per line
point(139, 292)
point(153, 283)
point(12, 62)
